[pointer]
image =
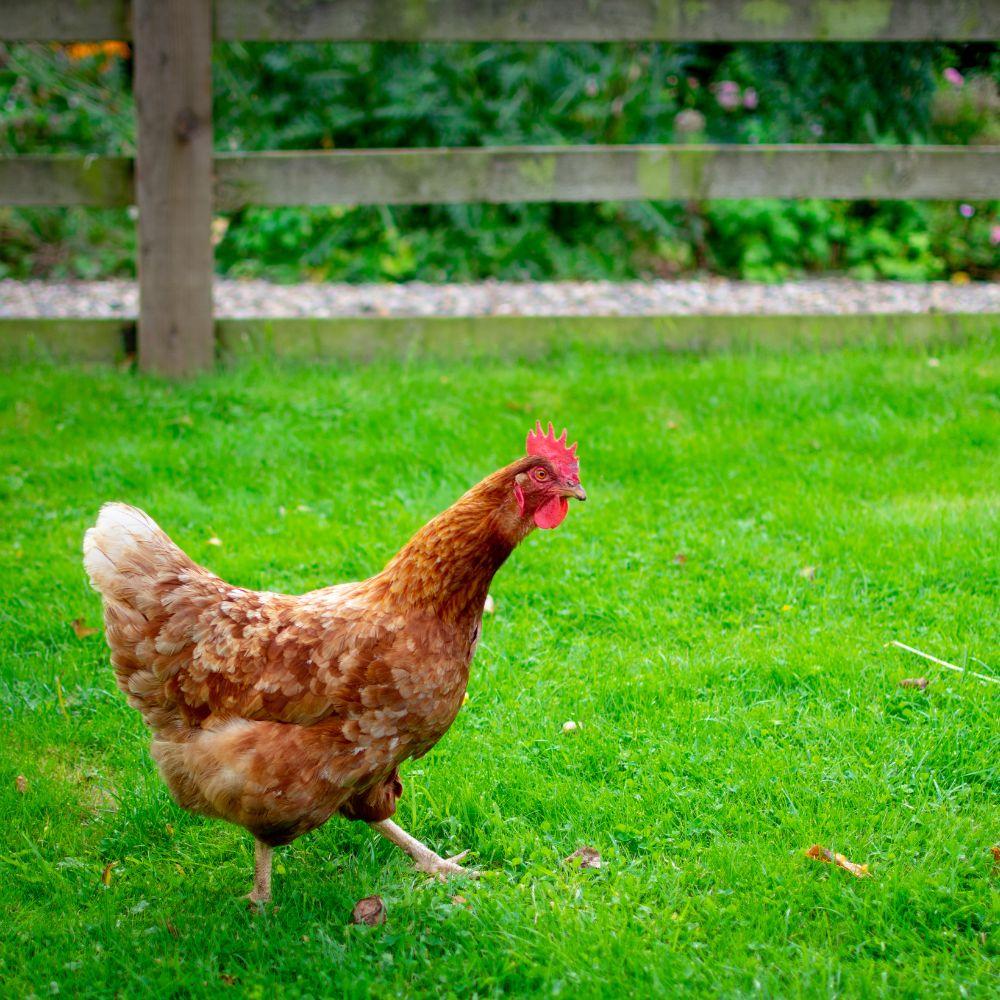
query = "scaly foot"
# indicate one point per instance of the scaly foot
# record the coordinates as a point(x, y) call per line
point(261, 893)
point(424, 858)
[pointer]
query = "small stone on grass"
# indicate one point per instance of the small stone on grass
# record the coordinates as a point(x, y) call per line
point(588, 857)
point(369, 911)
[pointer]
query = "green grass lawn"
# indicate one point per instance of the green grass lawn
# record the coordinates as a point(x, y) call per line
point(731, 711)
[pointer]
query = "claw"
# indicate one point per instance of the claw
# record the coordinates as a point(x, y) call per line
point(442, 868)
point(424, 858)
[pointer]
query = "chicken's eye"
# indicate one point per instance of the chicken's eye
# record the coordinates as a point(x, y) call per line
point(541, 475)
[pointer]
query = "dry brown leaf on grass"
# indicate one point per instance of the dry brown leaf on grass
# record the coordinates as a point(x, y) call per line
point(820, 853)
point(107, 873)
point(680, 558)
point(21, 783)
point(589, 857)
point(995, 851)
point(369, 911)
point(82, 630)
point(920, 683)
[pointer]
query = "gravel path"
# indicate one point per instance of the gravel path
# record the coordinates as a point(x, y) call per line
point(571, 298)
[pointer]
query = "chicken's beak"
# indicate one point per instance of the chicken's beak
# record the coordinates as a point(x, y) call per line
point(575, 491)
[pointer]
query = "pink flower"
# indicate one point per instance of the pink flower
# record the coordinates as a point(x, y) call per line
point(727, 93)
point(689, 121)
point(995, 235)
point(953, 76)
point(749, 98)
point(966, 211)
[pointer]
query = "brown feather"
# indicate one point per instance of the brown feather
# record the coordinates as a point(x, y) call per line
point(276, 711)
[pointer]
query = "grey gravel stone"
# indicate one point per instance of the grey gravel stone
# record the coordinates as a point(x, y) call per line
point(709, 296)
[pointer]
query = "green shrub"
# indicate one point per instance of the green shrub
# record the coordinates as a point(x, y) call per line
point(326, 96)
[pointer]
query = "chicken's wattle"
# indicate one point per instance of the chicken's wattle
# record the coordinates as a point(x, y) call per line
point(552, 512)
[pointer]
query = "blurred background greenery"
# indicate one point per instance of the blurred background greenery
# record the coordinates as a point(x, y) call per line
point(76, 98)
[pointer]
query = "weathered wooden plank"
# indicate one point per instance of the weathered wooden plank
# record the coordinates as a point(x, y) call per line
point(96, 181)
point(608, 20)
point(603, 173)
point(532, 20)
point(62, 340)
point(542, 173)
point(63, 20)
point(364, 339)
point(173, 90)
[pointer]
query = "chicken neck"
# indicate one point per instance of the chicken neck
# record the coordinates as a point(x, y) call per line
point(448, 565)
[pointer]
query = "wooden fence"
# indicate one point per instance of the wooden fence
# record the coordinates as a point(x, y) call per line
point(177, 182)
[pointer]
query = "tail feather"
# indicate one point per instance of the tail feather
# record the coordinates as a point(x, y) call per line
point(135, 567)
point(125, 551)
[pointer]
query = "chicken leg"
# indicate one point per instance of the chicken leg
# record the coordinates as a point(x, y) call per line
point(424, 858)
point(262, 856)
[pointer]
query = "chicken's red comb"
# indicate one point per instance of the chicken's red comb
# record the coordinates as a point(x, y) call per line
point(555, 449)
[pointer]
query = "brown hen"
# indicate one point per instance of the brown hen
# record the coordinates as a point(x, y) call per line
point(274, 711)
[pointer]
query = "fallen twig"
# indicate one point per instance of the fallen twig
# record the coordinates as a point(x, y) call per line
point(819, 853)
point(943, 663)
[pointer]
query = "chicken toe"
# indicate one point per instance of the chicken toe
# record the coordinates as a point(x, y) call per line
point(425, 860)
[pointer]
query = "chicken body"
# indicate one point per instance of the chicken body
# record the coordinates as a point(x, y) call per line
point(275, 711)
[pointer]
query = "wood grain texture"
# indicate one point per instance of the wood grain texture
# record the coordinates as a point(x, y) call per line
point(603, 173)
point(542, 173)
point(63, 340)
point(533, 20)
point(447, 338)
point(364, 338)
point(94, 181)
point(173, 89)
point(608, 20)
point(64, 20)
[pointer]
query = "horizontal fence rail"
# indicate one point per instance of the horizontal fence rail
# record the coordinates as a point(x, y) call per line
point(65, 179)
point(531, 20)
point(448, 338)
point(533, 173)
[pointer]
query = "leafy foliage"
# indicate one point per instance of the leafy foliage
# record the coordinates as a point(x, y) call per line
point(332, 96)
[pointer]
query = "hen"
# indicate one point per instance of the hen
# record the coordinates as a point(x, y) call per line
point(274, 711)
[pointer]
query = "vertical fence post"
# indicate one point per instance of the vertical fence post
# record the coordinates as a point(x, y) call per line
point(173, 92)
